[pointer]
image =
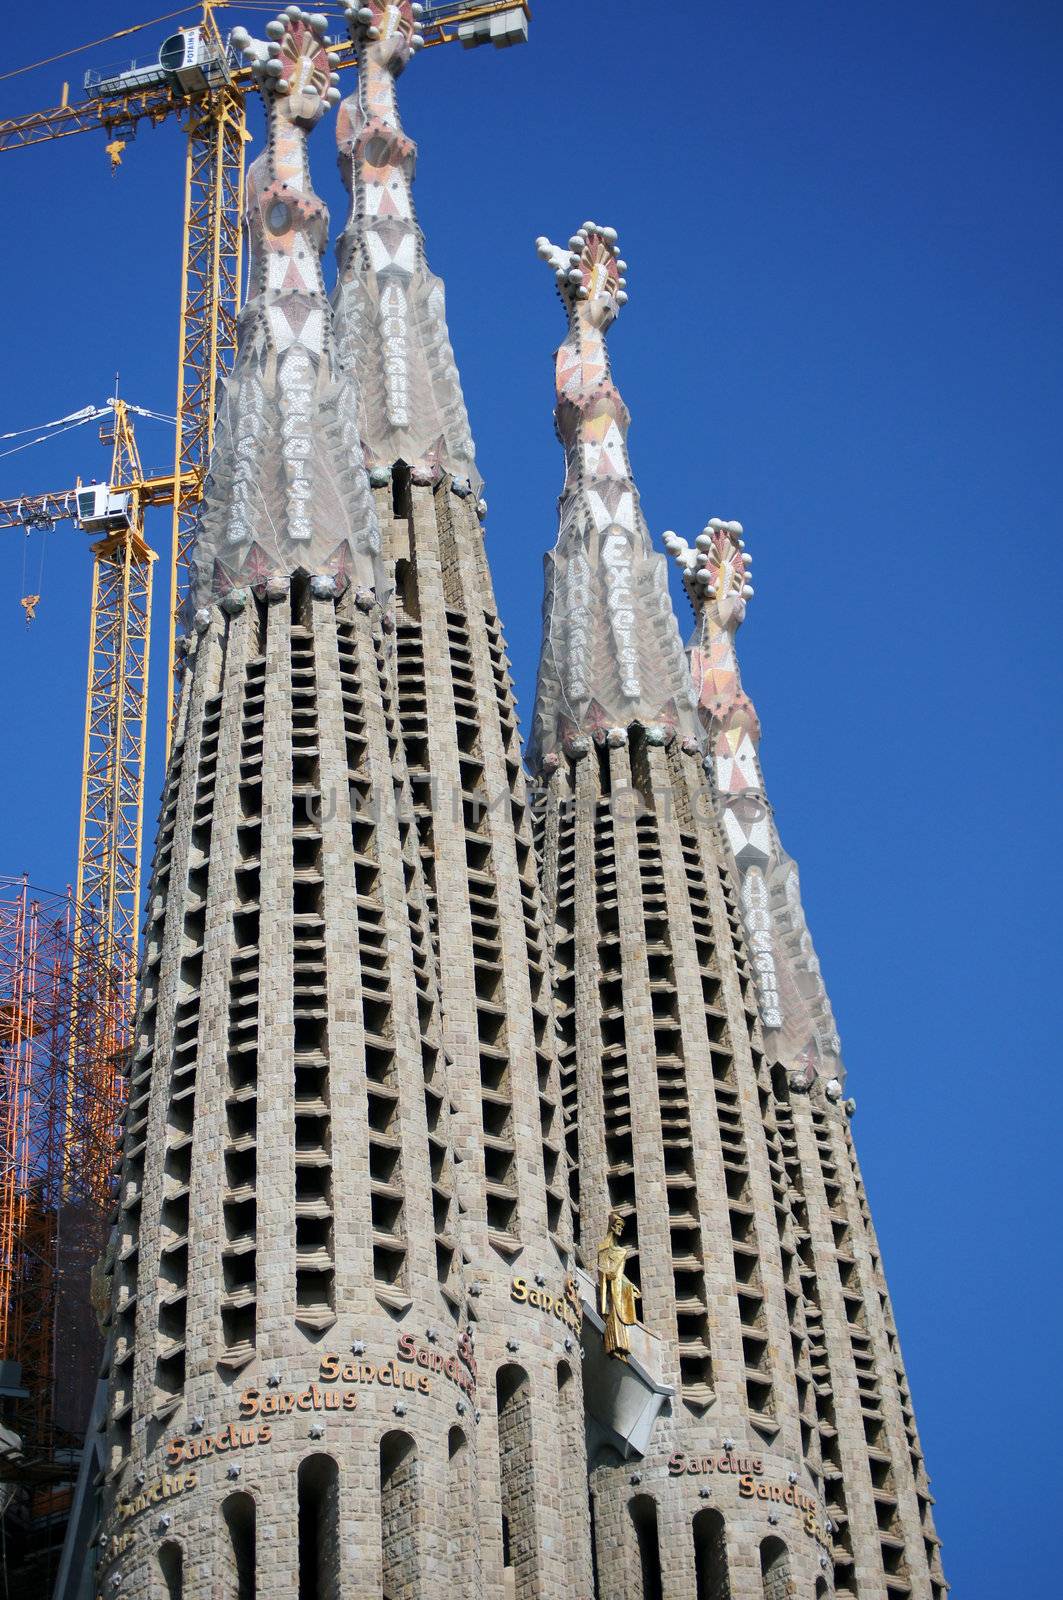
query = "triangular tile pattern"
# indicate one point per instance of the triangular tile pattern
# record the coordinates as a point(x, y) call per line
point(611, 652)
point(390, 308)
point(794, 1005)
point(286, 488)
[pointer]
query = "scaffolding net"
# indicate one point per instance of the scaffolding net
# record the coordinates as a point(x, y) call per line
point(63, 1042)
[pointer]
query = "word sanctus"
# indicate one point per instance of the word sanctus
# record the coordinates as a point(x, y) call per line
point(436, 1361)
point(386, 1373)
point(282, 1402)
point(786, 1494)
point(129, 1505)
point(567, 1307)
point(680, 1463)
point(230, 1438)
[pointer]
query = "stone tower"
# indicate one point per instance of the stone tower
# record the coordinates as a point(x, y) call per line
point(344, 1331)
point(708, 1195)
point(292, 1375)
point(458, 721)
point(875, 1482)
point(488, 1223)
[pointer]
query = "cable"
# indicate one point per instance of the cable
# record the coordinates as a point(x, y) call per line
point(86, 412)
point(155, 416)
point(44, 437)
point(123, 33)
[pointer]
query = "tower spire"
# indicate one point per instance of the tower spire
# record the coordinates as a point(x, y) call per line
point(794, 1006)
point(611, 652)
point(286, 489)
point(390, 310)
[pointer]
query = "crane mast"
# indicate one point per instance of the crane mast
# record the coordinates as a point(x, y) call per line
point(209, 94)
point(210, 300)
point(111, 811)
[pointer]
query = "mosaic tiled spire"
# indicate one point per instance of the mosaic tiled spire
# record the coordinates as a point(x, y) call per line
point(794, 1005)
point(874, 1477)
point(611, 652)
point(667, 1097)
point(390, 310)
point(287, 488)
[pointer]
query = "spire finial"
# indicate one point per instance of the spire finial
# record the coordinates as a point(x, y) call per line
point(387, 28)
point(589, 273)
point(291, 66)
point(715, 569)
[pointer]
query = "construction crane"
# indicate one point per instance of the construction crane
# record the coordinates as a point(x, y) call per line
point(199, 78)
point(201, 81)
point(110, 823)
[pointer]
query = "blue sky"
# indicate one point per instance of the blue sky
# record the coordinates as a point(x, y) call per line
point(845, 254)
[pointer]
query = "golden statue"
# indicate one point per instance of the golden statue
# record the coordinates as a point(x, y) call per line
point(616, 1293)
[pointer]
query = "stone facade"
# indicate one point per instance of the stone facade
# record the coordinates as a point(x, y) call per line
point(413, 1030)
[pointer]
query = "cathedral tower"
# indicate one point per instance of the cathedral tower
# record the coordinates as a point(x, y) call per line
point(875, 1483)
point(683, 1205)
point(292, 1375)
point(488, 1219)
point(459, 728)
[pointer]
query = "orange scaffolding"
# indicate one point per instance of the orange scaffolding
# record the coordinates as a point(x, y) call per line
point(63, 1043)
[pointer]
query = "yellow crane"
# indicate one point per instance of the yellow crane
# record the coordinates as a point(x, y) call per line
point(111, 812)
point(199, 79)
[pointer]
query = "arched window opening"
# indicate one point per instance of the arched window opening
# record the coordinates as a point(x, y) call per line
point(400, 1517)
point(462, 1543)
point(238, 1574)
point(172, 1568)
point(643, 1511)
point(822, 1592)
point(516, 1473)
point(319, 1530)
point(775, 1570)
point(710, 1556)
